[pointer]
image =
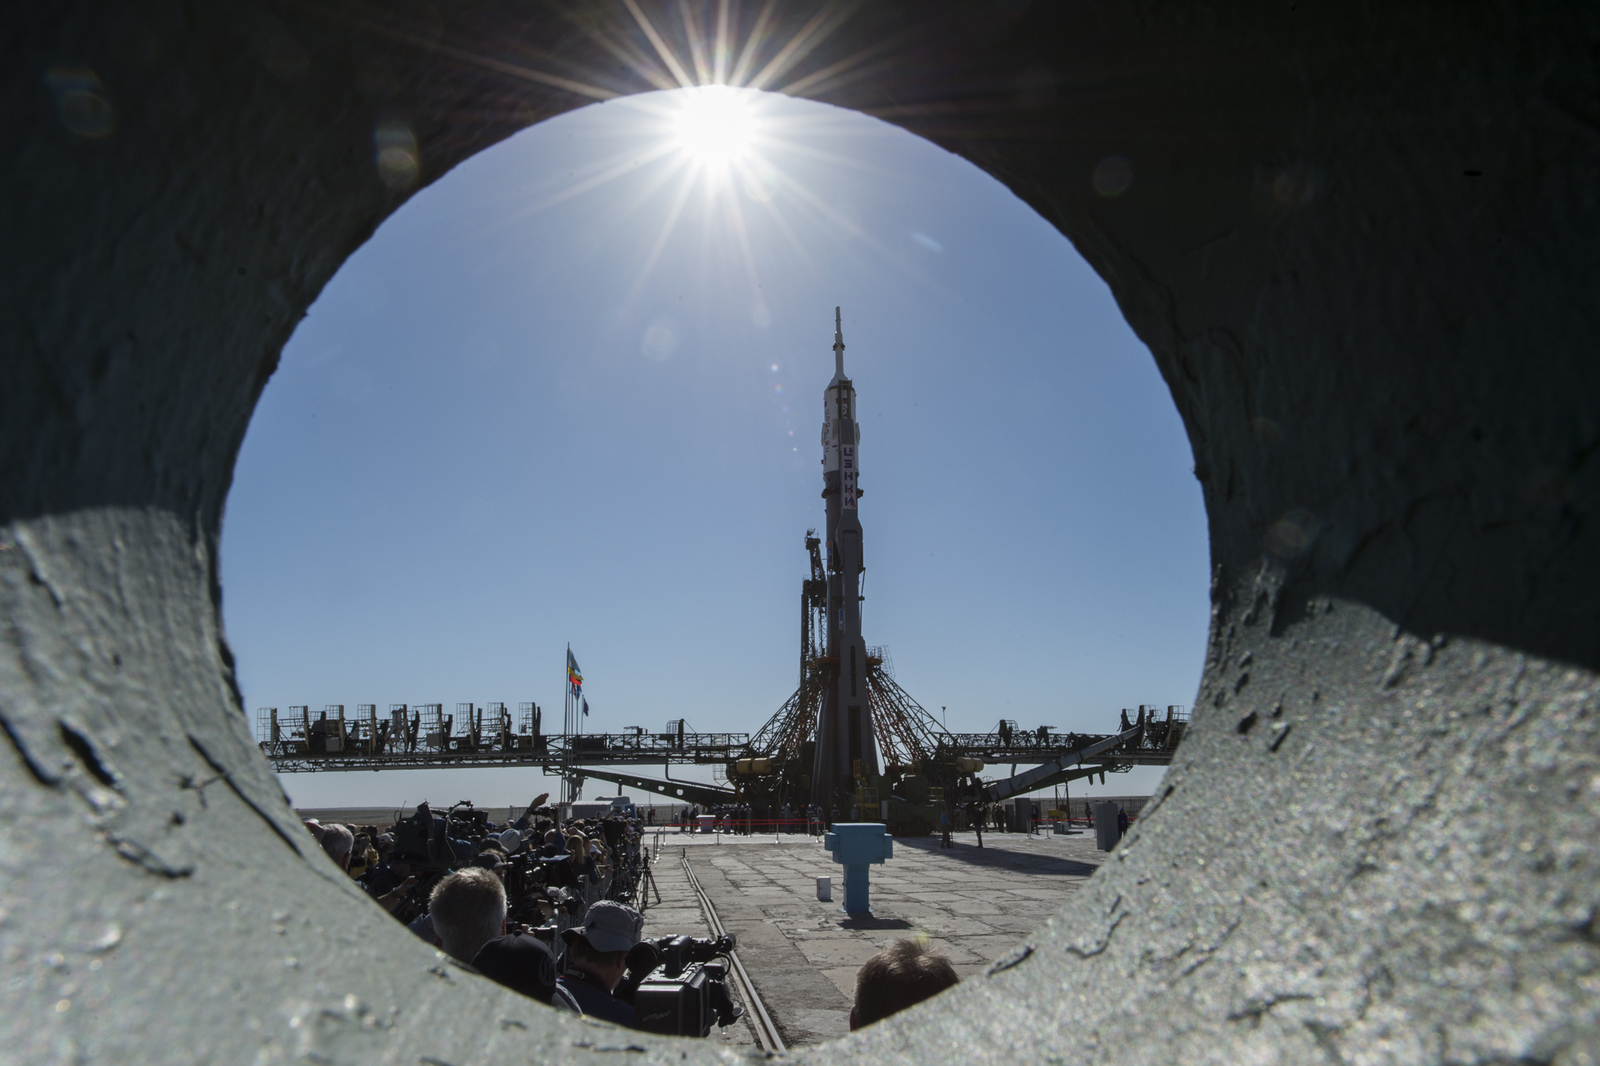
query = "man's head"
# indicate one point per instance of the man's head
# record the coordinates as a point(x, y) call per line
point(490, 859)
point(520, 962)
point(337, 842)
point(469, 910)
point(600, 946)
point(902, 974)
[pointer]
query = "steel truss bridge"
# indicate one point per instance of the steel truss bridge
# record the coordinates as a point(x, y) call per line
point(770, 766)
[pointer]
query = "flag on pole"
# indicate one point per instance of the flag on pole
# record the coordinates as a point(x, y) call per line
point(586, 707)
point(574, 675)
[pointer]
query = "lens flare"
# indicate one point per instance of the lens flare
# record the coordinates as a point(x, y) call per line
point(715, 125)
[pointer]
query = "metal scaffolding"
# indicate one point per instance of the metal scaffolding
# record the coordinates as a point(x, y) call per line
point(775, 762)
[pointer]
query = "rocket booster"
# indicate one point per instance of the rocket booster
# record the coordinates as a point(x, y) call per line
point(847, 751)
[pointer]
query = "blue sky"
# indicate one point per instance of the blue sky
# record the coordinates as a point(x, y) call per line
point(530, 411)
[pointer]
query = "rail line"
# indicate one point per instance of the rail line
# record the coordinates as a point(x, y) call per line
point(760, 1020)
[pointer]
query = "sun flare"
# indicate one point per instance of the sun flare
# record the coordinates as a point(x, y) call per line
point(715, 125)
point(719, 155)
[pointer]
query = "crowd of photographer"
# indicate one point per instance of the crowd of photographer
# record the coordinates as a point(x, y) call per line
point(541, 906)
point(546, 908)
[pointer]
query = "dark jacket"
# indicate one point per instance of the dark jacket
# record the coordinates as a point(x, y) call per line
point(576, 991)
point(563, 875)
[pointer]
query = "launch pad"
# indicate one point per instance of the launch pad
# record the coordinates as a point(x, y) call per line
point(850, 738)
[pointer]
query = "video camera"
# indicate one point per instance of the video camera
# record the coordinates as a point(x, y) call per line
point(527, 885)
point(419, 838)
point(676, 986)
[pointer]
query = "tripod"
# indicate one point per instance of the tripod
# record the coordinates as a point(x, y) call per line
point(646, 883)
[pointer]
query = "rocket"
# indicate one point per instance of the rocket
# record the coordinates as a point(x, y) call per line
point(847, 750)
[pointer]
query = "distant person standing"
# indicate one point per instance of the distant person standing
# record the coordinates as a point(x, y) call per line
point(1122, 822)
point(944, 827)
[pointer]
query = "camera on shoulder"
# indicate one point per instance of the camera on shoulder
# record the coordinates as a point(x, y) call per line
point(678, 985)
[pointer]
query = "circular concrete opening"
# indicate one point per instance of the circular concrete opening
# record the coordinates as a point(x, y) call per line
point(1359, 246)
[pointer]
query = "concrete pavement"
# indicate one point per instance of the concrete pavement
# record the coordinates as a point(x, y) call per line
point(973, 904)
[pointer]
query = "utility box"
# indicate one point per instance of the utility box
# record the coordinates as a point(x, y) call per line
point(856, 845)
point(1105, 826)
point(1022, 816)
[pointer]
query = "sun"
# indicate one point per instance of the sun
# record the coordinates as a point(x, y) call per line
point(715, 126)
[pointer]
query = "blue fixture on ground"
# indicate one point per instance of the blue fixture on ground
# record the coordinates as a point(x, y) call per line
point(856, 845)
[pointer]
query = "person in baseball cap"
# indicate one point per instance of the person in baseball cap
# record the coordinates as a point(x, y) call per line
point(597, 959)
point(521, 962)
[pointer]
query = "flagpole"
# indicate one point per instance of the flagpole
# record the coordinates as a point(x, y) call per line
point(566, 725)
point(573, 702)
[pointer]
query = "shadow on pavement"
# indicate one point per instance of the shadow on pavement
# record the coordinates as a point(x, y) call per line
point(869, 922)
point(998, 856)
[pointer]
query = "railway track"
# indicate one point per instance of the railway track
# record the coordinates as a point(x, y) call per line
point(766, 1031)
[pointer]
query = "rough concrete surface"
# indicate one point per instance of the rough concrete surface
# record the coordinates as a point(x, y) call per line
point(971, 904)
point(1360, 241)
